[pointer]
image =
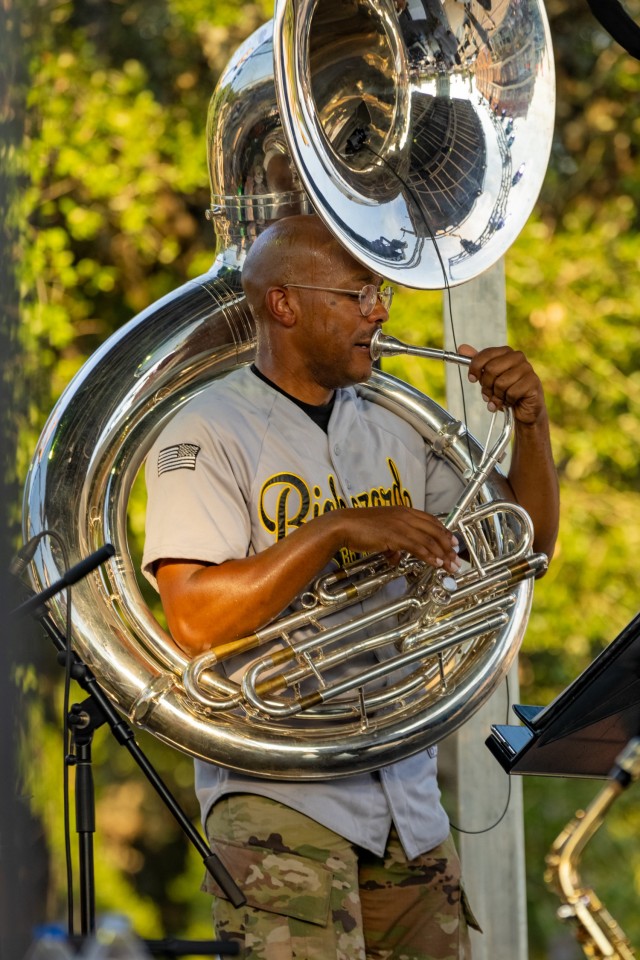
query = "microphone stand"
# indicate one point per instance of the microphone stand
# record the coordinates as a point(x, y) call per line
point(84, 719)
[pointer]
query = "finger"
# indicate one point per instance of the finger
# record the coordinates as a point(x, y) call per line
point(501, 374)
point(393, 529)
point(490, 360)
point(508, 387)
point(466, 350)
point(419, 533)
point(519, 388)
point(449, 561)
point(436, 545)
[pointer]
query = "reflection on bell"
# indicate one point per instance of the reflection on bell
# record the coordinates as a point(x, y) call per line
point(448, 162)
point(417, 115)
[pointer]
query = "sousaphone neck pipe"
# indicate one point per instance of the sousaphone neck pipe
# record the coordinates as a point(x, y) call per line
point(383, 345)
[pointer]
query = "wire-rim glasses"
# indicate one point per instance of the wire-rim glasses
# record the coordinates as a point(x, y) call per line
point(368, 296)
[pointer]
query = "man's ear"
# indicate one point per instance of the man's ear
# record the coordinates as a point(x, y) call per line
point(282, 305)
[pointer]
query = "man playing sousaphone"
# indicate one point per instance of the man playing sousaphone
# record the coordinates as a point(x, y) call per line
point(251, 494)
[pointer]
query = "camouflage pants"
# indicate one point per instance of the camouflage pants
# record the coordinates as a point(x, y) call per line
point(312, 895)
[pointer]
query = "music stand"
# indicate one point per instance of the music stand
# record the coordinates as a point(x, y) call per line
point(582, 731)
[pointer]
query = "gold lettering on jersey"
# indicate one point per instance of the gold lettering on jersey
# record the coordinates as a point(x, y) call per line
point(287, 501)
point(284, 503)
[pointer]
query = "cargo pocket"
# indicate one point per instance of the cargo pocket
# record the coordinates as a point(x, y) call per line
point(276, 881)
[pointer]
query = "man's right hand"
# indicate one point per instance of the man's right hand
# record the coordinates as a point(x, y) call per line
point(397, 529)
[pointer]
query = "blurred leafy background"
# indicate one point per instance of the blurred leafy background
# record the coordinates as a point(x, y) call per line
point(110, 168)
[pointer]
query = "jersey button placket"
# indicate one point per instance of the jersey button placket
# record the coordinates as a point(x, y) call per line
point(345, 483)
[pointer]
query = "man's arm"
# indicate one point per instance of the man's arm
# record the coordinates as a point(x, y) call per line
point(507, 379)
point(209, 604)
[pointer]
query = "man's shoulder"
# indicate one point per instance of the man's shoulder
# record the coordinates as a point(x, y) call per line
point(384, 419)
point(236, 395)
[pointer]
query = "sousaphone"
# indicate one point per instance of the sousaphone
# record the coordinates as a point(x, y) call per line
point(419, 131)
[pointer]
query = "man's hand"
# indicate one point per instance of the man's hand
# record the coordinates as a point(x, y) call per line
point(207, 604)
point(507, 379)
point(398, 529)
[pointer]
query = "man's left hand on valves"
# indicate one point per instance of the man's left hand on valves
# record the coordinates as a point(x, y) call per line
point(507, 379)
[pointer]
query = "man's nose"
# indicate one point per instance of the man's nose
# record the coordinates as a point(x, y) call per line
point(379, 314)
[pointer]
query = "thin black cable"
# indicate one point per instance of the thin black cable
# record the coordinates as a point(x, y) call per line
point(447, 287)
point(493, 825)
point(420, 209)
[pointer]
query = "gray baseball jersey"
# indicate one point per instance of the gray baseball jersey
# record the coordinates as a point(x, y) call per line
point(239, 468)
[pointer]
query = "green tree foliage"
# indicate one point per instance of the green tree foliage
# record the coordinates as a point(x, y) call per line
point(574, 304)
point(113, 220)
point(118, 167)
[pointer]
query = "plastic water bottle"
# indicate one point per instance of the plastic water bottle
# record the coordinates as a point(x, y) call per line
point(49, 943)
point(114, 939)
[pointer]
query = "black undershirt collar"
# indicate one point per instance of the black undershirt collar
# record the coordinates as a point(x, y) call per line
point(320, 413)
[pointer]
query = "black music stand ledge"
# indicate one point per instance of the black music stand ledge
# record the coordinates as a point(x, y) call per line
point(582, 731)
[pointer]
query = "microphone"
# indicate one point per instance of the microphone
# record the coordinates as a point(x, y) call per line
point(25, 555)
point(358, 139)
point(81, 569)
point(75, 573)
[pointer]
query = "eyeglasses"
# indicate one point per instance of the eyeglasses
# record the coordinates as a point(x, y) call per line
point(368, 297)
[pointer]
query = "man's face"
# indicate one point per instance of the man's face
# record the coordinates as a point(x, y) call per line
point(333, 336)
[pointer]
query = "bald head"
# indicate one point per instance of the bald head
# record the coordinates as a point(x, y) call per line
point(303, 288)
point(295, 249)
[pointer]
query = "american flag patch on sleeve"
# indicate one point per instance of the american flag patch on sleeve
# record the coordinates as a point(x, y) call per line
point(182, 456)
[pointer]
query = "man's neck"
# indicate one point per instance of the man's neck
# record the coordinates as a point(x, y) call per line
point(319, 413)
point(294, 386)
